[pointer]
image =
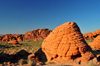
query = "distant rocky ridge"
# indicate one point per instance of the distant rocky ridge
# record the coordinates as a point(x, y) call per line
point(37, 34)
point(9, 37)
point(91, 35)
point(34, 34)
point(42, 34)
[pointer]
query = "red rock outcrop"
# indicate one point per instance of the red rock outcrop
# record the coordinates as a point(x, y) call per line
point(13, 42)
point(91, 36)
point(96, 43)
point(6, 37)
point(37, 34)
point(1, 37)
point(19, 37)
point(66, 43)
point(88, 36)
point(9, 37)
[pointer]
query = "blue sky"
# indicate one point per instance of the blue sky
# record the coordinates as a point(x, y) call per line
point(20, 16)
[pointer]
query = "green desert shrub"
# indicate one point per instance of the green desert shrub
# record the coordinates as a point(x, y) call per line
point(89, 41)
point(31, 62)
point(22, 61)
point(47, 62)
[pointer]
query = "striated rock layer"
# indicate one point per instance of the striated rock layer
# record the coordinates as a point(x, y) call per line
point(66, 43)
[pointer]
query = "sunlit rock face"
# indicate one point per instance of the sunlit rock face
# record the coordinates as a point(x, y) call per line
point(66, 43)
point(37, 34)
point(96, 43)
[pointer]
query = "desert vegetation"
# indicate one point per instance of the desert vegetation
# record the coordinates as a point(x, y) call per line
point(13, 50)
point(89, 41)
point(30, 46)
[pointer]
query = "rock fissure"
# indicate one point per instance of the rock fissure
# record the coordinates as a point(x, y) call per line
point(67, 50)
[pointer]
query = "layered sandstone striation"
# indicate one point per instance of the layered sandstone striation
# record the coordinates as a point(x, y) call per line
point(91, 35)
point(37, 34)
point(66, 43)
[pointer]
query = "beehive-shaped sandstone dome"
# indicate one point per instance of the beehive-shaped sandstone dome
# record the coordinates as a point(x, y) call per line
point(66, 43)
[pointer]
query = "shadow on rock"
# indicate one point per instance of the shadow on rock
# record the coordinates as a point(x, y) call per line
point(98, 58)
point(13, 58)
point(41, 55)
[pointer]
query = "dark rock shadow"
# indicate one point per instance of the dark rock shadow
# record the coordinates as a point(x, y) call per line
point(41, 55)
point(98, 58)
point(97, 52)
point(13, 58)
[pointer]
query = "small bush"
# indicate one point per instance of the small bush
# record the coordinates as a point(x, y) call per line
point(47, 62)
point(2, 47)
point(89, 41)
point(31, 62)
point(22, 61)
point(4, 62)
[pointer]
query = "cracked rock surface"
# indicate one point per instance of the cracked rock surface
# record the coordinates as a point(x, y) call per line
point(66, 43)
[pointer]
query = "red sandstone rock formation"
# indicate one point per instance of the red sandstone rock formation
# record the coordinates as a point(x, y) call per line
point(90, 36)
point(1, 37)
point(9, 37)
point(37, 34)
point(66, 43)
point(96, 43)
point(13, 42)
point(19, 37)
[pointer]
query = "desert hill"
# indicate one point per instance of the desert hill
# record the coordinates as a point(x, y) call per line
point(42, 34)
point(34, 34)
